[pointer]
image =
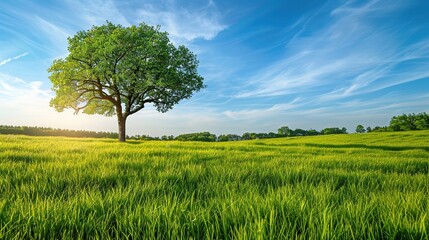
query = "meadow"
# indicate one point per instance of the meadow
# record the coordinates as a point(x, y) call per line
point(355, 186)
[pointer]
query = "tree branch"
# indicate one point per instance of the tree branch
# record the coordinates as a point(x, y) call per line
point(81, 61)
point(77, 109)
point(140, 107)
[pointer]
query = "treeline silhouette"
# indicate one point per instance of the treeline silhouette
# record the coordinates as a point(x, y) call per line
point(200, 136)
point(46, 131)
point(404, 122)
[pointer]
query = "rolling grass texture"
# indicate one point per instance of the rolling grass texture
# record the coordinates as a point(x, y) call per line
point(357, 186)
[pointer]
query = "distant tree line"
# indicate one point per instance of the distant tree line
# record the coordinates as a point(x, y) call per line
point(284, 131)
point(46, 131)
point(149, 138)
point(202, 137)
point(404, 122)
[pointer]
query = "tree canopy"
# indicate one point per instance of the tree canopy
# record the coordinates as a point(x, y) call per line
point(334, 130)
point(284, 131)
point(116, 70)
point(407, 122)
point(360, 129)
point(202, 137)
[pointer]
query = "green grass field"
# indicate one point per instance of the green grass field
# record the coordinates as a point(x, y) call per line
point(357, 186)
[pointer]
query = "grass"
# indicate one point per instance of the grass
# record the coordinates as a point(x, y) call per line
point(357, 186)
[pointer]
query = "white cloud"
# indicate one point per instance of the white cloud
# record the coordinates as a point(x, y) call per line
point(184, 24)
point(352, 55)
point(264, 112)
point(96, 12)
point(56, 35)
point(3, 62)
point(16, 87)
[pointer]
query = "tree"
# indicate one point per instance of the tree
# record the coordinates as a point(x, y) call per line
point(223, 138)
point(116, 70)
point(272, 135)
point(202, 137)
point(284, 131)
point(360, 129)
point(253, 136)
point(245, 136)
point(334, 130)
point(234, 137)
point(228, 137)
point(422, 121)
point(300, 132)
point(312, 132)
point(380, 129)
point(403, 123)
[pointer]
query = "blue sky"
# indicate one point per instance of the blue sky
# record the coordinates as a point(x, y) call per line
point(305, 64)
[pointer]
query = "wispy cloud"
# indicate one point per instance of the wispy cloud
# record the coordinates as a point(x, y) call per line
point(263, 112)
point(353, 54)
point(54, 33)
point(3, 62)
point(96, 12)
point(15, 87)
point(184, 24)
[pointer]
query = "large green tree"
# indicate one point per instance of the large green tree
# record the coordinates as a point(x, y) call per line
point(285, 131)
point(116, 70)
point(360, 129)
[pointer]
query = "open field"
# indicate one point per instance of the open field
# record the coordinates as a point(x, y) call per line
point(357, 186)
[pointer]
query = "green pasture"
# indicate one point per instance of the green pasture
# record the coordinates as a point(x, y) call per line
point(356, 186)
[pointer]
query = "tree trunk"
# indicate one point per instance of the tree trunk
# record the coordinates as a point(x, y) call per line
point(121, 127)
